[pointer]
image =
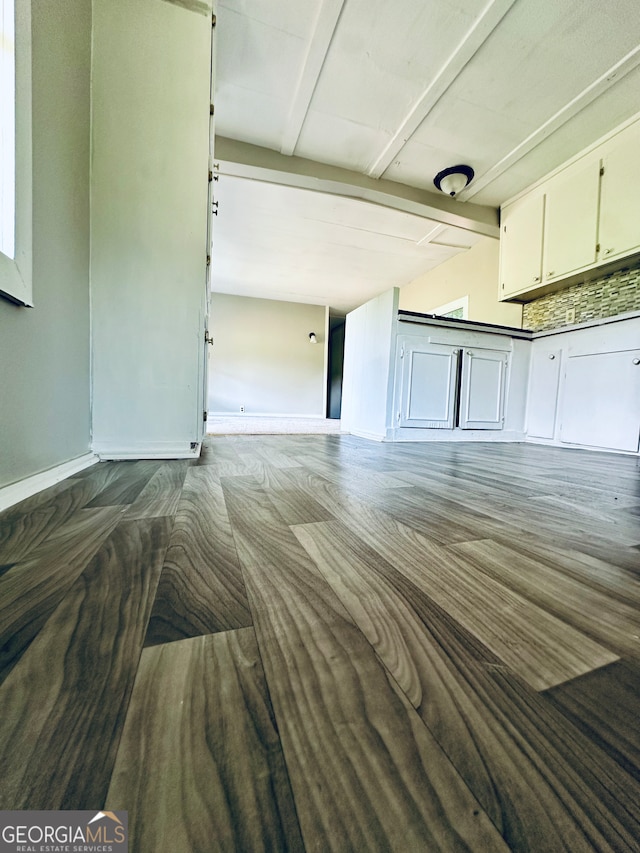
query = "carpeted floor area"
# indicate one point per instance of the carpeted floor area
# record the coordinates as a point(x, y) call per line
point(251, 425)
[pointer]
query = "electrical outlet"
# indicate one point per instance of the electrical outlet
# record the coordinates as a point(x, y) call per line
point(241, 409)
point(570, 315)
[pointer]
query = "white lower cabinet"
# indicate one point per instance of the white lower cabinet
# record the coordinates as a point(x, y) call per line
point(482, 389)
point(443, 387)
point(429, 379)
point(584, 386)
point(544, 381)
point(601, 400)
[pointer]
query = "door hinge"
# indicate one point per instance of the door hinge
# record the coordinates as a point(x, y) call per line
point(401, 356)
point(207, 337)
point(213, 20)
point(208, 260)
point(597, 247)
point(204, 416)
point(398, 417)
point(211, 109)
point(601, 170)
point(210, 175)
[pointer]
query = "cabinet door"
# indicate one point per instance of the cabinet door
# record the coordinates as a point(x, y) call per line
point(571, 220)
point(601, 400)
point(620, 200)
point(521, 246)
point(542, 403)
point(482, 389)
point(429, 380)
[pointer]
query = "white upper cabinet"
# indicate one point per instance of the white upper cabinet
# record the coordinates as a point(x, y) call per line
point(584, 217)
point(571, 220)
point(620, 202)
point(521, 233)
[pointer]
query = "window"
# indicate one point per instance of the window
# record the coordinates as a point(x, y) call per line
point(457, 310)
point(7, 128)
point(15, 151)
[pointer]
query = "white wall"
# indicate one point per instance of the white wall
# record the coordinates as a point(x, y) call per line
point(368, 377)
point(474, 274)
point(44, 350)
point(261, 357)
point(151, 65)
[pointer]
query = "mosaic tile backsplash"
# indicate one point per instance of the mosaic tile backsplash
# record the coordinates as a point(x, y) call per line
point(612, 294)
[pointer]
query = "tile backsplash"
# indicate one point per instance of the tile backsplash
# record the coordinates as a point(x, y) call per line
point(612, 294)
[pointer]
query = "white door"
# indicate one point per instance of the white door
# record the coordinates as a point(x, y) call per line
point(212, 210)
point(543, 393)
point(429, 381)
point(571, 220)
point(482, 389)
point(521, 245)
point(601, 400)
point(620, 203)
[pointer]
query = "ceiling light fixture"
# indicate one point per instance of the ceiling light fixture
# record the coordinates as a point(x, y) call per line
point(453, 180)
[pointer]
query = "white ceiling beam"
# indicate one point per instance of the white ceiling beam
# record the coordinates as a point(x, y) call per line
point(243, 160)
point(491, 16)
point(319, 42)
point(431, 235)
point(562, 116)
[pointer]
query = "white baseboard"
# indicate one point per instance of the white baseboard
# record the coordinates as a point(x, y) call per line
point(262, 415)
point(483, 435)
point(16, 492)
point(113, 451)
point(552, 442)
point(372, 436)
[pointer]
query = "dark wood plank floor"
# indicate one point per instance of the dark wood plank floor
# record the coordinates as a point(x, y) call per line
point(326, 644)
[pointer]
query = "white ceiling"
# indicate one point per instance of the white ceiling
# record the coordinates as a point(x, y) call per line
point(400, 90)
point(319, 248)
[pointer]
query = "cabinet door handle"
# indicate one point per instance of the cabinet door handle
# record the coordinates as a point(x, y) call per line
point(550, 274)
point(608, 251)
point(636, 360)
point(551, 356)
point(536, 278)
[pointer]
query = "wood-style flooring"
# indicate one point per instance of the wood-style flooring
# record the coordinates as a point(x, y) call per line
point(326, 644)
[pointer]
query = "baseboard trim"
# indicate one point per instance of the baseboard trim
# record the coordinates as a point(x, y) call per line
point(433, 435)
point(552, 442)
point(263, 415)
point(109, 452)
point(372, 436)
point(16, 492)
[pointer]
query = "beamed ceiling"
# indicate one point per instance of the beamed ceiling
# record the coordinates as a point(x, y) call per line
point(334, 116)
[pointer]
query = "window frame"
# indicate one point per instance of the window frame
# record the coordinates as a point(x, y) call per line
point(16, 274)
point(456, 304)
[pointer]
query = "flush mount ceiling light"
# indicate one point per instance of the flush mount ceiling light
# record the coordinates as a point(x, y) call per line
point(453, 180)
